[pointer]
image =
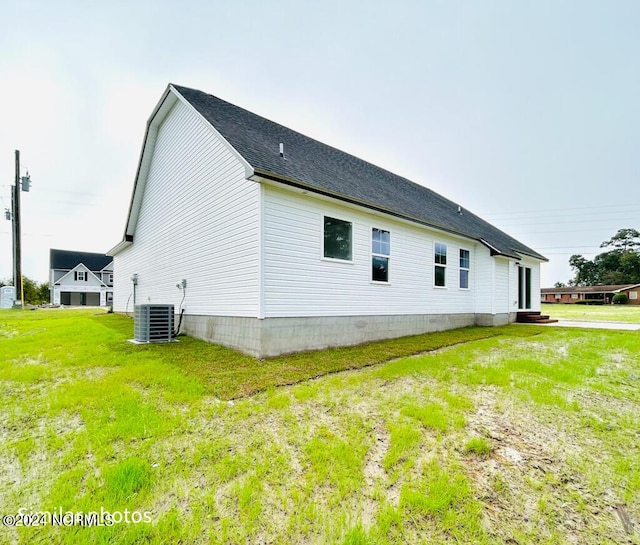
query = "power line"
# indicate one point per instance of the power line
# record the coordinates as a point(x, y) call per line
point(564, 247)
point(592, 220)
point(555, 231)
point(558, 210)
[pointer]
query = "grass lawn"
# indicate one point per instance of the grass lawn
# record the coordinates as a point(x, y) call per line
point(594, 313)
point(518, 434)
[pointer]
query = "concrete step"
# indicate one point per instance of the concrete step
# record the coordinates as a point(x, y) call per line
point(533, 318)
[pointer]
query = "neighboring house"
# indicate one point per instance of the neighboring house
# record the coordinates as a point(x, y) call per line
point(591, 294)
point(80, 278)
point(288, 244)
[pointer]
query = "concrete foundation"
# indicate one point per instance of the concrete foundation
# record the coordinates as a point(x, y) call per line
point(275, 336)
point(491, 320)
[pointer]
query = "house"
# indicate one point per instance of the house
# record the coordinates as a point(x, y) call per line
point(590, 294)
point(80, 278)
point(287, 244)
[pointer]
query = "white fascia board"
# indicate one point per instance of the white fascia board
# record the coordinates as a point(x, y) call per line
point(625, 288)
point(119, 247)
point(248, 169)
point(159, 113)
point(530, 257)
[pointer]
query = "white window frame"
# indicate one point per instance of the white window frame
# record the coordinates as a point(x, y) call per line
point(110, 278)
point(334, 259)
point(468, 269)
point(436, 264)
point(81, 276)
point(381, 255)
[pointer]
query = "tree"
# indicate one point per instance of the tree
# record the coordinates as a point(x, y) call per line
point(559, 285)
point(619, 265)
point(585, 271)
point(43, 293)
point(624, 239)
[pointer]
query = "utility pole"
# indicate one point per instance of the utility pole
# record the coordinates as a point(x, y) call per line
point(17, 250)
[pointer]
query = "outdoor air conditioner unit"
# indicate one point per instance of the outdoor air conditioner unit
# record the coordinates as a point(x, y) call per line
point(153, 323)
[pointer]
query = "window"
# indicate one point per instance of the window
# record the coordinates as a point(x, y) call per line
point(633, 295)
point(465, 263)
point(440, 258)
point(574, 296)
point(380, 252)
point(337, 239)
point(110, 278)
point(80, 275)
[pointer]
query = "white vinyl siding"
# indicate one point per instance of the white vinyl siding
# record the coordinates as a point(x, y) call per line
point(513, 286)
point(199, 221)
point(298, 283)
point(483, 270)
point(535, 281)
point(502, 267)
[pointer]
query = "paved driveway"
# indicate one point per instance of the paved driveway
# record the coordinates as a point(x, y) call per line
point(596, 325)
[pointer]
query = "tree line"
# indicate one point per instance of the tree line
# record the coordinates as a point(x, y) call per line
point(34, 293)
point(620, 264)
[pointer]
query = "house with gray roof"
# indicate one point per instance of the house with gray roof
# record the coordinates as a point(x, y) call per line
point(289, 244)
point(80, 278)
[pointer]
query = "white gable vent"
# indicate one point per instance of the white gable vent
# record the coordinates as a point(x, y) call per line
point(153, 323)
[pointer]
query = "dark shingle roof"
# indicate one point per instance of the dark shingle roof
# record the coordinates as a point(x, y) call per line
point(323, 168)
point(68, 259)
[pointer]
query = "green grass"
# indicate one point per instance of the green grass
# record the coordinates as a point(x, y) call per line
point(487, 435)
point(479, 446)
point(594, 313)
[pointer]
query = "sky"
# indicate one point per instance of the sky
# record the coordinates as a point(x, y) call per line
point(526, 113)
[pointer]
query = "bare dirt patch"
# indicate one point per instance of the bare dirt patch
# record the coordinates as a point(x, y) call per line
point(528, 482)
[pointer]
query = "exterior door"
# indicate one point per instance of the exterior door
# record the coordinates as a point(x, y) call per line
point(524, 288)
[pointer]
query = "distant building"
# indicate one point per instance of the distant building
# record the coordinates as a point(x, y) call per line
point(591, 294)
point(80, 278)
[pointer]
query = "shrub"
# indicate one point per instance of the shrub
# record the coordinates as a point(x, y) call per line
point(620, 299)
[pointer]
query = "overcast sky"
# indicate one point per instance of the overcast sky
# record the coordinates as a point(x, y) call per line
point(526, 113)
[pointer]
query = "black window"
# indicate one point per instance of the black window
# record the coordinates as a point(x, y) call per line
point(337, 239)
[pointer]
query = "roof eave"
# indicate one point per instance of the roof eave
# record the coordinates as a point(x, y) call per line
point(125, 243)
